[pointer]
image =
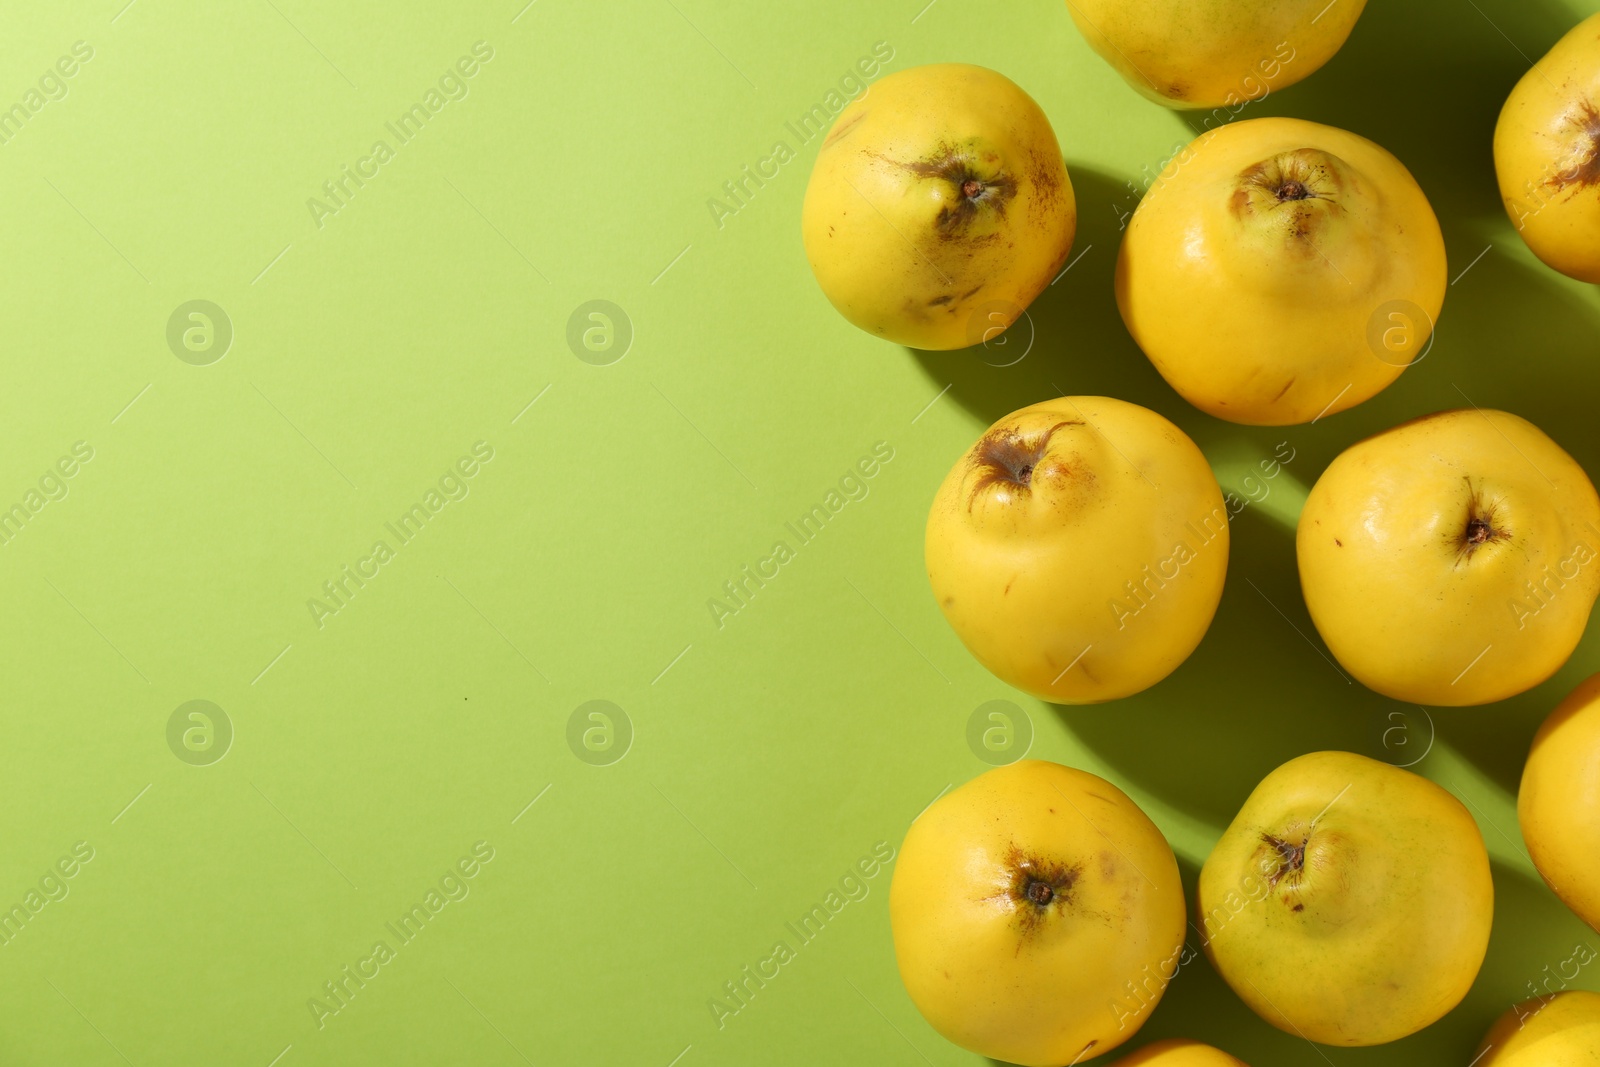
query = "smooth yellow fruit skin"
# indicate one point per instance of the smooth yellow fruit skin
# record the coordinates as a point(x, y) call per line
point(1098, 578)
point(1271, 312)
point(1176, 1053)
point(896, 245)
point(1186, 54)
point(1547, 154)
point(1395, 896)
point(1003, 977)
point(1388, 581)
point(1562, 1030)
point(1558, 803)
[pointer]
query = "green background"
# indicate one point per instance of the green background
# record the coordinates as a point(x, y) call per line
point(370, 352)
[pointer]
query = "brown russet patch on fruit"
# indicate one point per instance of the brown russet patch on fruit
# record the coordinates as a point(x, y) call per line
point(1005, 456)
point(915, 310)
point(845, 127)
point(1108, 866)
point(949, 301)
point(1585, 171)
point(1046, 182)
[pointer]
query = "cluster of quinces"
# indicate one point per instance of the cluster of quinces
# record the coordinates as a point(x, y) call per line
point(1276, 272)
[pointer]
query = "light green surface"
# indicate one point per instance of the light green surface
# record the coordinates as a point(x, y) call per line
point(768, 754)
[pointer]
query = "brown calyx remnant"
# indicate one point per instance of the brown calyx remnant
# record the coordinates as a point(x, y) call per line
point(1035, 885)
point(1289, 861)
point(1285, 862)
point(1585, 171)
point(1010, 458)
point(975, 193)
point(1303, 174)
point(1305, 182)
point(1484, 526)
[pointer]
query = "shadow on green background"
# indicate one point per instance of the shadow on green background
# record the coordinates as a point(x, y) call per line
point(1261, 688)
point(1512, 335)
